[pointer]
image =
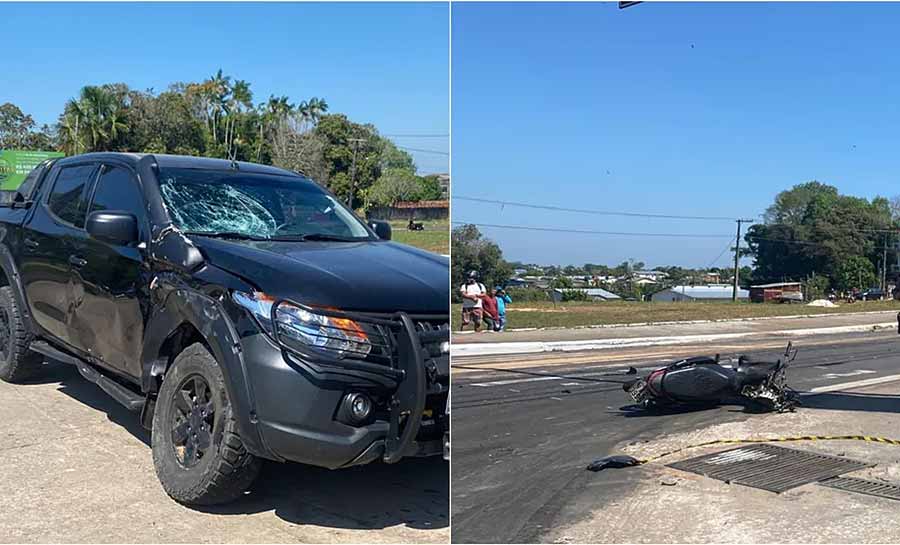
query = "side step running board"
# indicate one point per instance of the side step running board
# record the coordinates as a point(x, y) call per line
point(131, 400)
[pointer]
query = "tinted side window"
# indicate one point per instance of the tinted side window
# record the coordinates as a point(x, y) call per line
point(118, 190)
point(67, 200)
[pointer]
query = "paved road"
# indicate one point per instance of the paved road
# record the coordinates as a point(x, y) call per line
point(525, 427)
point(76, 467)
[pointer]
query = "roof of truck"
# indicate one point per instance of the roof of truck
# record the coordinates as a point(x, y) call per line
point(182, 161)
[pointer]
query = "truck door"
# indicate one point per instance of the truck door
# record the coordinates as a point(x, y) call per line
point(48, 240)
point(111, 283)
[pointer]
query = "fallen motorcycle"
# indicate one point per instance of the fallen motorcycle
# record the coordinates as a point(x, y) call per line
point(703, 380)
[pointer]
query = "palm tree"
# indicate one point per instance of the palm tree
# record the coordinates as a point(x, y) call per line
point(220, 89)
point(311, 110)
point(241, 97)
point(94, 121)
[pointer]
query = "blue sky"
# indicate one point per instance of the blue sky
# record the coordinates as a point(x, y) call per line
point(673, 108)
point(387, 64)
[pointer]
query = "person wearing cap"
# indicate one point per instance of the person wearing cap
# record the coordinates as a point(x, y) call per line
point(503, 299)
point(472, 308)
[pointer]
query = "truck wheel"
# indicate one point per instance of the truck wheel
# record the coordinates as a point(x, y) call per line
point(198, 454)
point(17, 362)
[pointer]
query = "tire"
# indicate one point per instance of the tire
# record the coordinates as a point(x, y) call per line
point(17, 362)
point(189, 473)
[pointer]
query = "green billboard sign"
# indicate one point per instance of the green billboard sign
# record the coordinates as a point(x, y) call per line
point(16, 164)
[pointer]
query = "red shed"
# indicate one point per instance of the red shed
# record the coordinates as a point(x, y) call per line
point(780, 292)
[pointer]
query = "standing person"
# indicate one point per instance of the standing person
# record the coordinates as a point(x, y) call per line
point(503, 299)
point(489, 306)
point(471, 293)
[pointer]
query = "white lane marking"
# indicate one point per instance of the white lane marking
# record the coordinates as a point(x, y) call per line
point(854, 384)
point(849, 374)
point(513, 381)
point(487, 349)
point(571, 384)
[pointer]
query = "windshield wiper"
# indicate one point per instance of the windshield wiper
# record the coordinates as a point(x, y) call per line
point(318, 236)
point(226, 234)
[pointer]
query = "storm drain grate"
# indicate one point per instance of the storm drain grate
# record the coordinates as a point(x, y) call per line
point(862, 486)
point(769, 467)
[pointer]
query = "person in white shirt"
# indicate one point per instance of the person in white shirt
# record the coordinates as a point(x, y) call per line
point(472, 309)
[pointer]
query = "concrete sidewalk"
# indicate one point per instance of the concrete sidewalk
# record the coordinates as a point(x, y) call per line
point(551, 340)
point(76, 467)
point(671, 506)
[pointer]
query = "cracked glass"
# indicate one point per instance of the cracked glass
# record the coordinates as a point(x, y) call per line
point(255, 206)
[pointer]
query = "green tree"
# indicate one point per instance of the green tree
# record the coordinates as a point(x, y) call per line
point(811, 228)
point(95, 120)
point(374, 155)
point(855, 272)
point(15, 127)
point(431, 188)
point(395, 185)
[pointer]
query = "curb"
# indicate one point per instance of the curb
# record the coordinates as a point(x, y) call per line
point(694, 322)
point(536, 347)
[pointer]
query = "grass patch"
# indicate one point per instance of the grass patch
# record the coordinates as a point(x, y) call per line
point(573, 314)
point(435, 238)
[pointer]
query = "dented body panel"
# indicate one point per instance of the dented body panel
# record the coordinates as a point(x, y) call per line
point(127, 310)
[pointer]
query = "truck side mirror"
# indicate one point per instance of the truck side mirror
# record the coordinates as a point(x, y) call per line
point(119, 228)
point(381, 228)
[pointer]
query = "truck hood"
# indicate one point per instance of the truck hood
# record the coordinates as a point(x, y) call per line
point(371, 276)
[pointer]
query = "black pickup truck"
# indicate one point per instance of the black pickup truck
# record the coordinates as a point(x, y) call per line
point(242, 310)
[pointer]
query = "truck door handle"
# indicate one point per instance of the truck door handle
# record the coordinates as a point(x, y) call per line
point(77, 262)
point(31, 243)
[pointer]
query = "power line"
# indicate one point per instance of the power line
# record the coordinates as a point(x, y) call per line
point(585, 232)
point(714, 261)
point(423, 150)
point(803, 242)
point(597, 212)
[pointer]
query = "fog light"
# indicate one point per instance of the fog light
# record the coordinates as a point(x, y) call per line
point(360, 406)
point(356, 409)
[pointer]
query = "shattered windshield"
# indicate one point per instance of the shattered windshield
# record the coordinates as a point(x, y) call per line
point(252, 205)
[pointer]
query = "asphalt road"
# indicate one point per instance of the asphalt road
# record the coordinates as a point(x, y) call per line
point(526, 426)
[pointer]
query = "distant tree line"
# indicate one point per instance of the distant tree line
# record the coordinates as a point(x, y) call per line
point(810, 234)
point(218, 117)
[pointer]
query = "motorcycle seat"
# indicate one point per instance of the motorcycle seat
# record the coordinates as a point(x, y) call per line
point(696, 360)
point(752, 370)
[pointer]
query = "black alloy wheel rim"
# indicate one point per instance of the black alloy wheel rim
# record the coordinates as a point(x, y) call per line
point(5, 333)
point(194, 419)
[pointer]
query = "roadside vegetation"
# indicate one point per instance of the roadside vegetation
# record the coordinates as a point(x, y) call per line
point(435, 238)
point(580, 314)
point(220, 117)
point(833, 244)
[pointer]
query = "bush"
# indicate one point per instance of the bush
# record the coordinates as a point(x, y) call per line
point(574, 295)
point(527, 295)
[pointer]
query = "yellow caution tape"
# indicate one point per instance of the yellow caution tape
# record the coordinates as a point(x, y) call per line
point(869, 438)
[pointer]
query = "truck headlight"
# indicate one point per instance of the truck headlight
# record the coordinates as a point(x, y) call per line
point(341, 337)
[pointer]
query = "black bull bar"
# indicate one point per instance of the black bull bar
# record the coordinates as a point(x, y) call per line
point(406, 367)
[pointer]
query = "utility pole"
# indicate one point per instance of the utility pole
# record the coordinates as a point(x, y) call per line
point(884, 267)
point(356, 142)
point(737, 258)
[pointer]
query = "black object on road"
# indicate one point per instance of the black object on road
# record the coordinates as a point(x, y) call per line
point(614, 462)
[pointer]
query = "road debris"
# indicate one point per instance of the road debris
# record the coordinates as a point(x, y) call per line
point(615, 462)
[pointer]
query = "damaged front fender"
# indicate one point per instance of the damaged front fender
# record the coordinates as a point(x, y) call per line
point(185, 314)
